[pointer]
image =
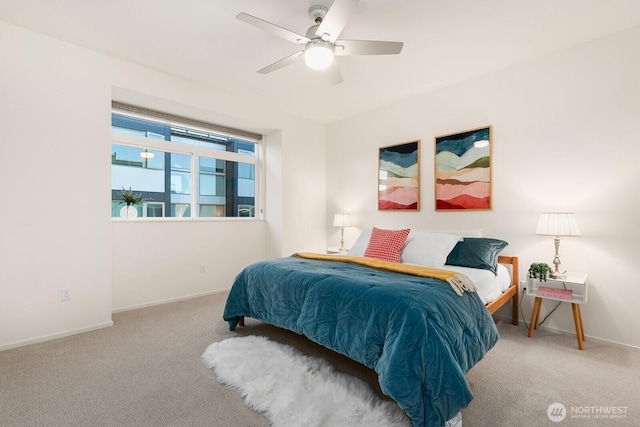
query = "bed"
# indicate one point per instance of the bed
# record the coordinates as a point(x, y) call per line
point(421, 328)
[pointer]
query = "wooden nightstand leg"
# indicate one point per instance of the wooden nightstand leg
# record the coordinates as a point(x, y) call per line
point(577, 318)
point(535, 325)
point(580, 317)
point(534, 316)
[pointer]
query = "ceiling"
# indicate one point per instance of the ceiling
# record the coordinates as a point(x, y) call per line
point(445, 41)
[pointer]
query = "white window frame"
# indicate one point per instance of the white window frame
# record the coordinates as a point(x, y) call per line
point(195, 151)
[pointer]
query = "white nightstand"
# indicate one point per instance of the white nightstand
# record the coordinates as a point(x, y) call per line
point(574, 282)
point(335, 250)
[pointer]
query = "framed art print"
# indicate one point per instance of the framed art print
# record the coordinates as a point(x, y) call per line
point(399, 177)
point(463, 170)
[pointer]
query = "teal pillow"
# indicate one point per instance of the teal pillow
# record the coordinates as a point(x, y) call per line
point(477, 252)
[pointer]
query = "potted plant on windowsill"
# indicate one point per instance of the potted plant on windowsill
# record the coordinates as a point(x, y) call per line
point(540, 271)
point(131, 200)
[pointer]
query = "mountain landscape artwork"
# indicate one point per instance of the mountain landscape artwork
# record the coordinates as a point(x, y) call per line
point(399, 177)
point(463, 170)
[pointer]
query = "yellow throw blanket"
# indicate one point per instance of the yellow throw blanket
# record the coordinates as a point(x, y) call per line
point(458, 281)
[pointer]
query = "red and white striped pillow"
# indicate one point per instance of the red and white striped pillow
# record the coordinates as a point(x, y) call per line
point(386, 245)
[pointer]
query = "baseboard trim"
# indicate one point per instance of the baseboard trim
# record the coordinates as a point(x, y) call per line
point(55, 336)
point(573, 333)
point(166, 301)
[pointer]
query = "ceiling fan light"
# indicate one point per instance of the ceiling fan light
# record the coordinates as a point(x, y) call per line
point(318, 56)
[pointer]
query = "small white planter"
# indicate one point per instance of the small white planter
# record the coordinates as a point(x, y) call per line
point(128, 212)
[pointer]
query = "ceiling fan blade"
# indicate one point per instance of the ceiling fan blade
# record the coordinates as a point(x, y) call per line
point(335, 19)
point(282, 63)
point(273, 28)
point(366, 47)
point(333, 74)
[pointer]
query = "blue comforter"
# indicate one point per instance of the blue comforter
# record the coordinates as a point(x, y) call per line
point(415, 332)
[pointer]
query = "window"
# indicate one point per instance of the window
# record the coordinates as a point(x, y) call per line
point(181, 171)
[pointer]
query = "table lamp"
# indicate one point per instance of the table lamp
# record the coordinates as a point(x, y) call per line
point(342, 220)
point(558, 224)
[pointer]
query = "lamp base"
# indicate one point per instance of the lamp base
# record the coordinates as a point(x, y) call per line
point(556, 263)
point(342, 249)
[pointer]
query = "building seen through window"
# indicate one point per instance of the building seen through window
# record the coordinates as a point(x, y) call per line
point(192, 173)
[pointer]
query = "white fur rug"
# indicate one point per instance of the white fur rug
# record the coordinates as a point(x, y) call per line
point(292, 389)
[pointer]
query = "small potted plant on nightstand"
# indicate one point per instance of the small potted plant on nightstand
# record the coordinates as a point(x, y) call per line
point(539, 270)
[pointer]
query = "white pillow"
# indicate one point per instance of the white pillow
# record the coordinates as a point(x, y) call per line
point(361, 243)
point(428, 249)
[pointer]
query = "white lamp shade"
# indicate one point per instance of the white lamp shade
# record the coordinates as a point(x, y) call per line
point(342, 220)
point(558, 224)
point(318, 56)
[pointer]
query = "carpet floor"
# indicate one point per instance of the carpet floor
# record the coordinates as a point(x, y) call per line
point(147, 370)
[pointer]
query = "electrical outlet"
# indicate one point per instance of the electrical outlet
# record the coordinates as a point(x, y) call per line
point(202, 268)
point(65, 294)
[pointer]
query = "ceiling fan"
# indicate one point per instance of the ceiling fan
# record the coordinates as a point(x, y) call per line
point(320, 43)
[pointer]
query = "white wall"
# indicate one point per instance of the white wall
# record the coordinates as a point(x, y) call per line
point(153, 263)
point(304, 175)
point(564, 139)
point(56, 229)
